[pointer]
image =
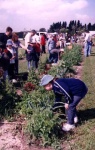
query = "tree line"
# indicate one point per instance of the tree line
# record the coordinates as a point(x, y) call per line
point(73, 27)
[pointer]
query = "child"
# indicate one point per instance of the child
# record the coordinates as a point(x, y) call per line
point(73, 91)
point(5, 57)
point(12, 60)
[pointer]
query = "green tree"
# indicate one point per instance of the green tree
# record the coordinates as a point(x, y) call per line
point(42, 30)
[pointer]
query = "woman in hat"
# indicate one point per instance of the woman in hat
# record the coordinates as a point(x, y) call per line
point(73, 91)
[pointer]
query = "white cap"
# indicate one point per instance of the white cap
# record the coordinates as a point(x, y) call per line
point(46, 79)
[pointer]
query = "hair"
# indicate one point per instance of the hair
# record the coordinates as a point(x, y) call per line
point(8, 29)
point(33, 31)
point(14, 35)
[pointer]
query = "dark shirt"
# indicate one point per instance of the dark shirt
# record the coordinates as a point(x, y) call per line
point(3, 40)
point(5, 60)
point(69, 88)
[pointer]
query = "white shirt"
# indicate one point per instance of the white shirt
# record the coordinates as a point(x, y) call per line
point(35, 39)
point(88, 37)
point(27, 39)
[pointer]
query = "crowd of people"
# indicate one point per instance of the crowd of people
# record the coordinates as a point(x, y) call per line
point(9, 44)
point(34, 47)
point(73, 90)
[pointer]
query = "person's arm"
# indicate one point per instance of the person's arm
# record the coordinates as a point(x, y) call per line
point(65, 91)
point(22, 46)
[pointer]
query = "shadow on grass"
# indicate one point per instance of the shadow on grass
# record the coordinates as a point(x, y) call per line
point(21, 77)
point(87, 114)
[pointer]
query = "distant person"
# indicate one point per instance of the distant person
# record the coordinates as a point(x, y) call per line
point(16, 44)
point(5, 57)
point(32, 43)
point(5, 36)
point(87, 44)
point(43, 43)
point(53, 52)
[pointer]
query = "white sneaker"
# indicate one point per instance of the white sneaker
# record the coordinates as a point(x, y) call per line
point(76, 120)
point(68, 127)
point(14, 81)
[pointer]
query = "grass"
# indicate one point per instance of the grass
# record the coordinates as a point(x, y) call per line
point(84, 136)
point(23, 62)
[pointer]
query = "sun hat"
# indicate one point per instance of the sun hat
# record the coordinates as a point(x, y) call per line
point(9, 42)
point(46, 79)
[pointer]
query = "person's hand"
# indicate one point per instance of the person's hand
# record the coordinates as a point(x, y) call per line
point(66, 106)
point(28, 51)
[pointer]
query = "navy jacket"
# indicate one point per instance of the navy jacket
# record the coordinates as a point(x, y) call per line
point(3, 40)
point(68, 88)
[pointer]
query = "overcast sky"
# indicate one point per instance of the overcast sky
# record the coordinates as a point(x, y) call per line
point(34, 14)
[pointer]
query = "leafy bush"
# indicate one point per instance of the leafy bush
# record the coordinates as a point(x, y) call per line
point(72, 57)
point(42, 125)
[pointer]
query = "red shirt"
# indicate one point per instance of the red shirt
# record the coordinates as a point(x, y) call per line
point(42, 41)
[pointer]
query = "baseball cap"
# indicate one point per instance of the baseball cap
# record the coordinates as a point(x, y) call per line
point(46, 79)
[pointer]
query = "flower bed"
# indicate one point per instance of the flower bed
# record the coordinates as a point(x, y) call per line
point(36, 103)
point(43, 124)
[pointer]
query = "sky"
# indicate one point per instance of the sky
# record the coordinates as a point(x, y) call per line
point(35, 14)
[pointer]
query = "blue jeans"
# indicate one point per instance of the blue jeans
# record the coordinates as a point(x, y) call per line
point(72, 112)
point(87, 49)
point(53, 57)
point(5, 75)
point(33, 64)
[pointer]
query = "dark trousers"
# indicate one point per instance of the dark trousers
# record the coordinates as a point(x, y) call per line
point(72, 112)
point(53, 58)
point(43, 49)
point(16, 66)
point(11, 71)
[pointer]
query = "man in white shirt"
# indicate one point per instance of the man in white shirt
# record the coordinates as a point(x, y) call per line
point(31, 37)
point(35, 38)
point(87, 44)
point(28, 39)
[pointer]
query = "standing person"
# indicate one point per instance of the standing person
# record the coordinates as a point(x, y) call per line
point(5, 57)
point(73, 91)
point(42, 43)
point(51, 46)
point(11, 70)
point(28, 38)
point(32, 40)
point(16, 44)
point(87, 44)
point(5, 36)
